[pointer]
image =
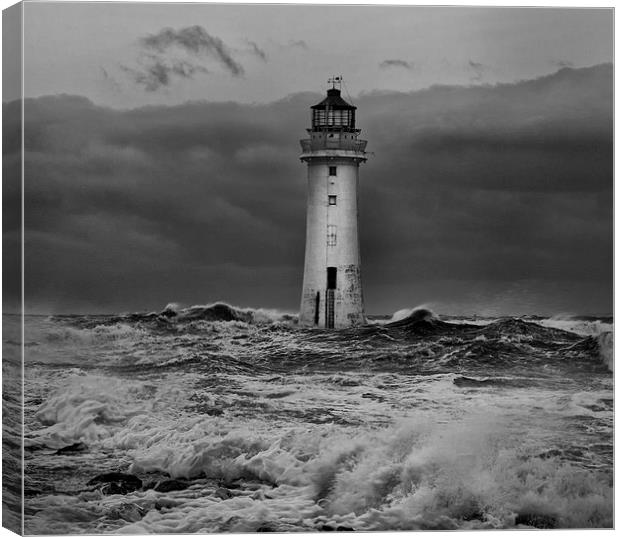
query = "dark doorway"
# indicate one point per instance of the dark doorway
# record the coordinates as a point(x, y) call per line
point(332, 273)
point(316, 308)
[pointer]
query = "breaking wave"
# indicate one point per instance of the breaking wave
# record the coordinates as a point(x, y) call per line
point(413, 476)
point(90, 409)
point(417, 312)
point(599, 330)
point(422, 477)
point(220, 311)
point(173, 316)
point(605, 343)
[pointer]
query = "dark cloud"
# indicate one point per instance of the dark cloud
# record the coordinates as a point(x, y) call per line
point(196, 40)
point(157, 72)
point(386, 64)
point(159, 64)
point(476, 198)
point(257, 51)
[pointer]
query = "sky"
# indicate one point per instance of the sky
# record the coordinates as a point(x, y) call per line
point(162, 146)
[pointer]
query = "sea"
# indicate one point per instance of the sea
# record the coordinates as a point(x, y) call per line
point(216, 418)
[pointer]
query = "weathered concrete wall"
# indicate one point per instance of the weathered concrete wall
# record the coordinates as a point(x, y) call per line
point(322, 251)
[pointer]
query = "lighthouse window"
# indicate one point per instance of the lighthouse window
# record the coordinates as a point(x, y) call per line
point(332, 200)
point(332, 170)
point(331, 235)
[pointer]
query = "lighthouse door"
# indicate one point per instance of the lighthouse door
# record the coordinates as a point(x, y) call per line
point(329, 296)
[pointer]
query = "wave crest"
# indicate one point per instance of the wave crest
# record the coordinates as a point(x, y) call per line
point(173, 314)
point(418, 313)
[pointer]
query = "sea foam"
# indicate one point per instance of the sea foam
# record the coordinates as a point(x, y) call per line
point(414, 475)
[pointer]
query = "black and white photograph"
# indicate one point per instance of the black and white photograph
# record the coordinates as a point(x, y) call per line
point(307, 268)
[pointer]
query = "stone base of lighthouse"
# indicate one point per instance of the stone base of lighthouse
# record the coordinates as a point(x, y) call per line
point(332, 287)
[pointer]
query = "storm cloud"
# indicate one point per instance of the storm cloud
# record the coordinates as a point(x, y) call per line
point(157, 72)
point(475, 198)
point(194, 39)
point(158, 62)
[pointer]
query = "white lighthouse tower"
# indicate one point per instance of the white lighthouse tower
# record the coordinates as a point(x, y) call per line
point(332, 288)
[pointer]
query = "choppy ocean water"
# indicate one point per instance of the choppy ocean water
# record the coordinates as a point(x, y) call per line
point(239, 421)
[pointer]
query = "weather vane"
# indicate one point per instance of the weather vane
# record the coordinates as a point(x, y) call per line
point(335, 80)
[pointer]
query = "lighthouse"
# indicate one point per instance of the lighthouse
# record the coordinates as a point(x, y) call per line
point(332, 285)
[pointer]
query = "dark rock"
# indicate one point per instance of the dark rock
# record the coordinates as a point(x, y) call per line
point(536, 520)
point(150, 484)
point(264, 529)
point(79, 447)
point(344, 528)
point(171, 484)
point(325, 527)
point(127, 511)
point(115, 483)
point(223, 493)
point(131, 512)
point(473, 515)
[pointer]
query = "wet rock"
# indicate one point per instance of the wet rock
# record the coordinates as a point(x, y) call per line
point(344, 528)
point(127, 511)
point(223, 493)
point(78, 447)
point(258, 495)
point(536, 520)
point(171, 484)
point(264, 529)
point(150, 484)
point(116, 483)
point(473, 515)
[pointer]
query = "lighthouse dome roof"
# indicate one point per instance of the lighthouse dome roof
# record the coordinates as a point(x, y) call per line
point(333, 101)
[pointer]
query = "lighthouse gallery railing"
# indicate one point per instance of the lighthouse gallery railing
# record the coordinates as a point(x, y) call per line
point(308, 145)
